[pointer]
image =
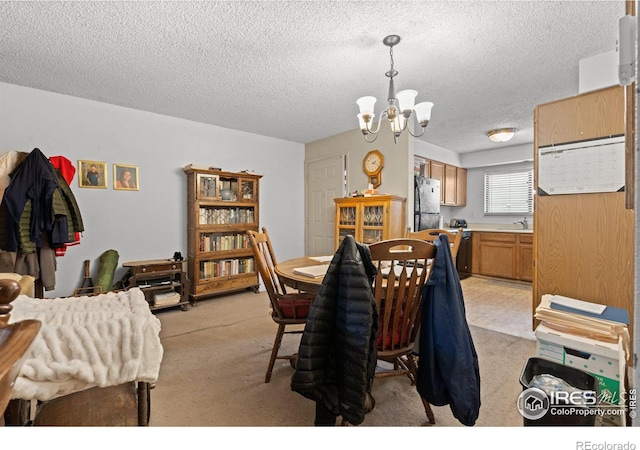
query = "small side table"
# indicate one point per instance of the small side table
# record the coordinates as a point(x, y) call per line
point(164, 282)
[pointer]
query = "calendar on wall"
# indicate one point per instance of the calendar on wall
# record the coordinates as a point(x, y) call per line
point(581, 168)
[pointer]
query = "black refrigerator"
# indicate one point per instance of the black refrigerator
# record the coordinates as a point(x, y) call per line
point(426, 211)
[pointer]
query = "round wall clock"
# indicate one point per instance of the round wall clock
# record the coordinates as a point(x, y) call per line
point(372, 165)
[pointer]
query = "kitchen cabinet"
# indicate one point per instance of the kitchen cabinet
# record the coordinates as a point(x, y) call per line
point(504, 255)
point(450, 188)
point(453, 180)
point(592, 115)
point(583, 243)
point(461, 186)
point(436, 169)
point(370, 219)
point(524, 257)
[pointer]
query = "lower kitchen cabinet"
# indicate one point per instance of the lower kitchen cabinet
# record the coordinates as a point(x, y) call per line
point(504, 255)
point(524, 257)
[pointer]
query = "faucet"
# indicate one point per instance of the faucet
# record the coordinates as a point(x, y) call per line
point(525, 225)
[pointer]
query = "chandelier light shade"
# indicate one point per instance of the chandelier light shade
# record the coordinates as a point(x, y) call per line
point(400, 107)
point(501, 134)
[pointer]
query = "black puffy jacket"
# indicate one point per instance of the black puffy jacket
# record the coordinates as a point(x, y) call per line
point(337, 354)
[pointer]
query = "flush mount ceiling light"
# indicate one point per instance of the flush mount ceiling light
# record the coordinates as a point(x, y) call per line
point(501, 134)
point(399, 106)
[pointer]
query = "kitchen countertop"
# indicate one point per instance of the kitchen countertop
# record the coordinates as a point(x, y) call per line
point(506, 229)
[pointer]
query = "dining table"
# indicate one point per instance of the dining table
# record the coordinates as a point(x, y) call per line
point(285, 271)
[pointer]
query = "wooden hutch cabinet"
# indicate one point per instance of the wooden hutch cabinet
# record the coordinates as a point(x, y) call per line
point(370, 219)
point(222, 207)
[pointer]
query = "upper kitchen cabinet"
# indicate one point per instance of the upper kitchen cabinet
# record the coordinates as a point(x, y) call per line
point(450, 188)
point(436, 169)
point(461, 186)
point(453, 180)
point(587, 116)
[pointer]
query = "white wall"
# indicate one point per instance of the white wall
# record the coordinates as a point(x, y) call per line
point(474, 211)
point(435, 152)
point(497, 156)
point(352, 144)
point(149, 223)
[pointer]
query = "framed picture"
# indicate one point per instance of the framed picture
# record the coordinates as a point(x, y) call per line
point(125, 177)
point(92, 174)
point(207, 186)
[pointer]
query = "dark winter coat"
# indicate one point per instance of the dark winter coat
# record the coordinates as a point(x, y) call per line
point(337, 355)
point(448, 371)
point(36, 180)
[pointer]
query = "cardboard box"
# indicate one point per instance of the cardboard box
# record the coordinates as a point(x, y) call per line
point(606, 361)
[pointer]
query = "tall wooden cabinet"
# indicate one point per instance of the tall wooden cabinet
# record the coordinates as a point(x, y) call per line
point(221, 208)
point(583, 243)
point(370, 219)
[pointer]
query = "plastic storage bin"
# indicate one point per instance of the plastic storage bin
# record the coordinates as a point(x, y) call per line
point(575, 377)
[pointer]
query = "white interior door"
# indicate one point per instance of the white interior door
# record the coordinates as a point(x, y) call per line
point(325, 180)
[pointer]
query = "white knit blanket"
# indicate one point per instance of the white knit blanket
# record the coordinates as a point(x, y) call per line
point(106, 340)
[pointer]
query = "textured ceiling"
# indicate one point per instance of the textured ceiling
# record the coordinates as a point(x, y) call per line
point(293, 69)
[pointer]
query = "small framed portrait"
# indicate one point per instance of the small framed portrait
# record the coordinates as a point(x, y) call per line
point(92, 174)
point(125, 177)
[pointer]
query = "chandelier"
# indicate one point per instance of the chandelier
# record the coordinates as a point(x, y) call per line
point(399, 106)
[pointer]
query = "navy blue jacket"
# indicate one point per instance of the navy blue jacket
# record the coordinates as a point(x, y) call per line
point(448, 371)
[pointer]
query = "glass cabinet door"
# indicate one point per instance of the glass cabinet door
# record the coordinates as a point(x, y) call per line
point(216, 215)
point(248, 190)
point(347, 219)
point(372, 223)
point(207, 187)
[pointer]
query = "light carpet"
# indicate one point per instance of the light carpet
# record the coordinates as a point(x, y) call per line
point(216, 356)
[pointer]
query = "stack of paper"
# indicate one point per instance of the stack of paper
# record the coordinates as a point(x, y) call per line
point(605, 323)
point(166, 299)
point(322, 259)
point(316, 271)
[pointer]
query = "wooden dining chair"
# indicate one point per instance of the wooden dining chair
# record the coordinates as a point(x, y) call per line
point(397, 288)
point(432, 234)
point(15, 340)
point(287, 308)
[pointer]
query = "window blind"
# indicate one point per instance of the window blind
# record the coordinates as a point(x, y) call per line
point(508, 192)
